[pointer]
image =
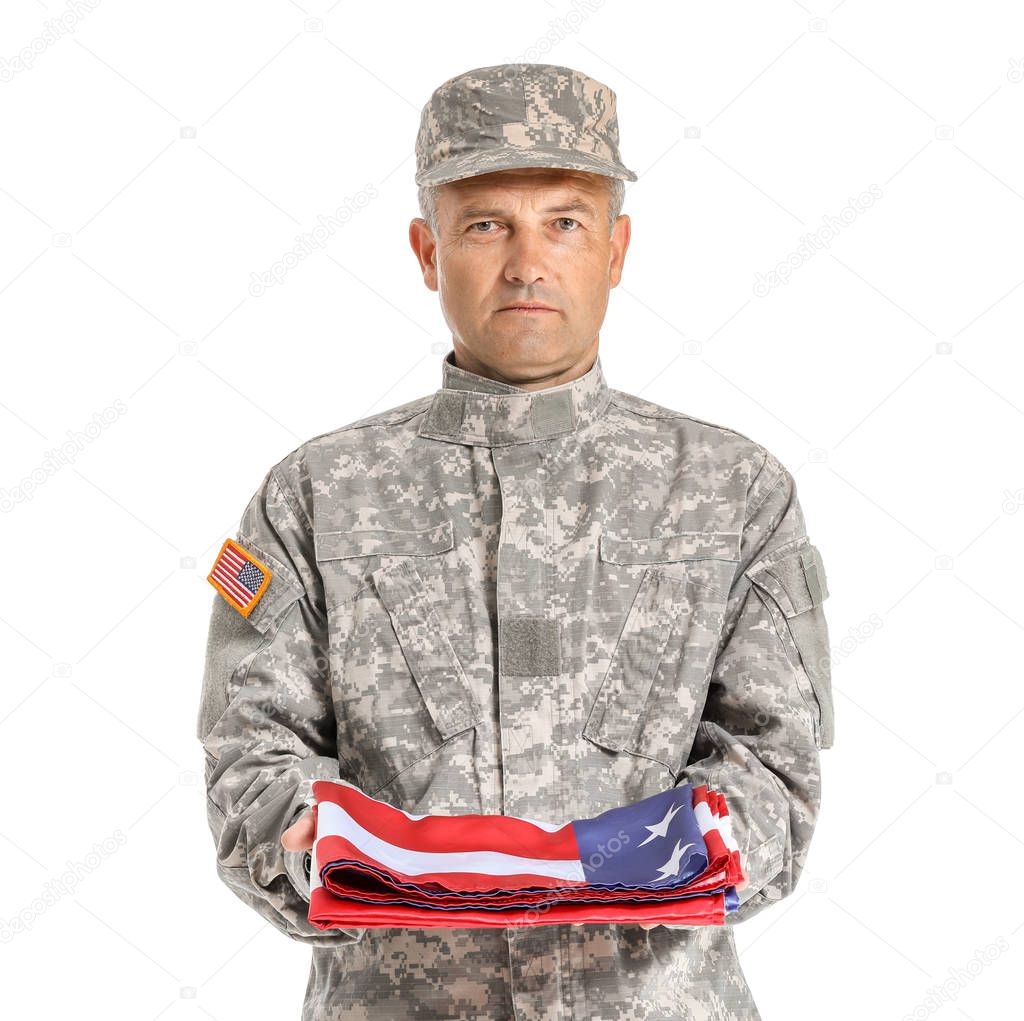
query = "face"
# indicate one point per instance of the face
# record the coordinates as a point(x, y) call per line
point(519, 237)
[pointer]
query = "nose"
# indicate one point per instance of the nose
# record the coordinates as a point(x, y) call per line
point(526, 255)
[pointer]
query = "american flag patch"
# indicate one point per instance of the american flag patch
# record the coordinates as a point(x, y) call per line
point(239, 577)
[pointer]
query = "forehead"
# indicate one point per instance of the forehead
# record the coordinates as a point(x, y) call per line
point(535, 180)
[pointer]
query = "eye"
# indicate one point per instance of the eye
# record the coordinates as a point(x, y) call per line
point(477, 224)
point(567, 219)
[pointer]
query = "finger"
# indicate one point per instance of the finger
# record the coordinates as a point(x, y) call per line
point(299, 836)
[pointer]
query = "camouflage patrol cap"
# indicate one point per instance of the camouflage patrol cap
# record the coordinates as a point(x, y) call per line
point(518, 115)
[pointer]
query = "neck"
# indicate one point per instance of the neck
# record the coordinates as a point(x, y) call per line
point(535, 378)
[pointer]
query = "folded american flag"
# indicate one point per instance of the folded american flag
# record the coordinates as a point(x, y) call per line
point(669, 858)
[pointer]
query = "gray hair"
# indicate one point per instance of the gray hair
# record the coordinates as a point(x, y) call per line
point(427, 195)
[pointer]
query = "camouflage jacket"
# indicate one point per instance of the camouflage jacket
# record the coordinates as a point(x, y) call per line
point(538, 603)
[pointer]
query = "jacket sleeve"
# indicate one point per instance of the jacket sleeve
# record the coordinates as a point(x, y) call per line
point(769, 704)
point(266, 717)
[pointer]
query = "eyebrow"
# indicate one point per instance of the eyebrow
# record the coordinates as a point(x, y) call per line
point(575, 206)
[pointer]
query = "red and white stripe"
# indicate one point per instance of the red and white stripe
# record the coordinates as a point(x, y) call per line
point(432, 848)
point(712, 816)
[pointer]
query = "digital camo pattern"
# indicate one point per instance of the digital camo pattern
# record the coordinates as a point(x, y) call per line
point(537, 603)
point(518, 115)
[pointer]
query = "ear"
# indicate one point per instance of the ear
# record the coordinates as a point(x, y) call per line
point(421, 237)
point(620, 242)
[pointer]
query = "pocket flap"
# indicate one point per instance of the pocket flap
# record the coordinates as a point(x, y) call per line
point(663, 549)
point(796, 579)
point(366, 542)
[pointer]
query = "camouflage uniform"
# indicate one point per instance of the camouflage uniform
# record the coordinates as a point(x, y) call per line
point(539, 603)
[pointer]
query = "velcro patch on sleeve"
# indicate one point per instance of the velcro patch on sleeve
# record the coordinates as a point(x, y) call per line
point(239, 577)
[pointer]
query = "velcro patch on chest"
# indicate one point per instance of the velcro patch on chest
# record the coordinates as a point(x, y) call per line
point(239, 577)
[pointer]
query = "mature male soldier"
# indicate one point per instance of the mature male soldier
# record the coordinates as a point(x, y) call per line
point(526, 593)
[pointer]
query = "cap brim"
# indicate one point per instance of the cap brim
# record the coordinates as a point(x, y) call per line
point(513, 157)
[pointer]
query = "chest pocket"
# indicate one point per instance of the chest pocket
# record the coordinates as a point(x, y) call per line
point(652, 694)
point(400, 690)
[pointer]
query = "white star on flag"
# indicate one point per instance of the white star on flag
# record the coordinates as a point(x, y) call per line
point(671, 867)
point(661, 828)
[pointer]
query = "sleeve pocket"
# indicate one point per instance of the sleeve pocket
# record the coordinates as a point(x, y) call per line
point(232, 639)
point(793, 587)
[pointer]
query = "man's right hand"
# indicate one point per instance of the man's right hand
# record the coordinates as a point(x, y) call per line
point(299, 836)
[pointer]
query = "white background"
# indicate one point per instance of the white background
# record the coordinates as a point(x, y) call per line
point(886, 373)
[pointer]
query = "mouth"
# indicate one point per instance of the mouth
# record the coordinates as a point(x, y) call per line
point(528, 307)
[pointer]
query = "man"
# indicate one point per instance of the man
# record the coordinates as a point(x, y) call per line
point(525, 594)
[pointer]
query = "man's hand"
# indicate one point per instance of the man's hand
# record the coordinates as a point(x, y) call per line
point(299, 836)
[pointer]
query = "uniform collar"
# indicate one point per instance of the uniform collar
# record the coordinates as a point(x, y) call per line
point(470, 408)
